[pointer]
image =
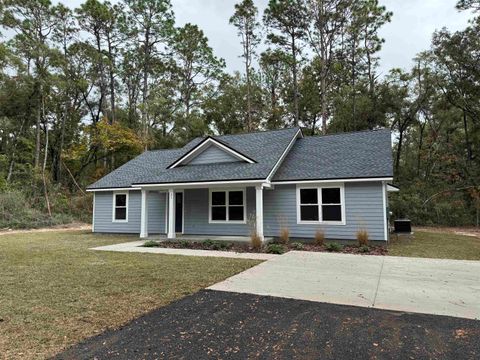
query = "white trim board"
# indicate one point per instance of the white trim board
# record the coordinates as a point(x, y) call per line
point(114, 189)
point(384, 201)
point(205, 183)
point(294, 182)
point(202, 146)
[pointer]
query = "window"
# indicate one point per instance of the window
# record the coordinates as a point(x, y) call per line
point(320, 205)
point(120, 207)
point(227, 206)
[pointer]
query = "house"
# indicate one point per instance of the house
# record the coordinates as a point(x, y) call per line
point(223, 185)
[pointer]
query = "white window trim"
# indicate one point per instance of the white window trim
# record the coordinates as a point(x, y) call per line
point(244, 221)
point(319, 190)
point(114, 203)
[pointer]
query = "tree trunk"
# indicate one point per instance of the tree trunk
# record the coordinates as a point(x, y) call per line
point(295, 84)
point(37, 127)
point(467, 140)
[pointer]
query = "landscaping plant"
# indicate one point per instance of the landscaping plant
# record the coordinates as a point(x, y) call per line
point(319, 237)
point(150, 243)
point(255, 241)
point(284, 235)
point(362, 237)
point(275, 249)
point(334, 247)
point(298, 246)
point(364, 249)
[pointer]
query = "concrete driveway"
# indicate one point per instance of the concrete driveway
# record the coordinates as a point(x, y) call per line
point(431, 286)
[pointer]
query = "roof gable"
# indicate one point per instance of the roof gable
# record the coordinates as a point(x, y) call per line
point(209, 151)
point(213, 155)
point(267, 149)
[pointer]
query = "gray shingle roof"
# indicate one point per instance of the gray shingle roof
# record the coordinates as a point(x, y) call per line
point(363, 154)
point(151, 166)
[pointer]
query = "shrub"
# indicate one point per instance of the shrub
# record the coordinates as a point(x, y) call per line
point(284, 235)
point(362, 237)
point(221, 245)
point(255, 241)
point(275, 249)
point(207, 243)
point(319, 237)
point(298, 246)
point(185, 244)
point(364, 249)
point(334, 247)
point(150, 243)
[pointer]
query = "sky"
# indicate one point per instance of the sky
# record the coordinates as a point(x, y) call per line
point(409, 32)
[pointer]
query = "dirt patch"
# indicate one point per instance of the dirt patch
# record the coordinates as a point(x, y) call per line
point(246, 248)
point(465, 231)
point(65, 227)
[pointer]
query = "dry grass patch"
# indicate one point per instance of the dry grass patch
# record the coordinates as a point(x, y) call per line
point(55, 292)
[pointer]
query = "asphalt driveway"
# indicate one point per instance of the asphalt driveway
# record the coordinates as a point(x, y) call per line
point(225, 325)
point(430, 286)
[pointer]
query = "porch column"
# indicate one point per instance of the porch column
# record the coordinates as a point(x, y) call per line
point(144, 215)
point(171, 214)
point(259, 210)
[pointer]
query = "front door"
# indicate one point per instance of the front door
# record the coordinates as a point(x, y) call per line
point(179, 212)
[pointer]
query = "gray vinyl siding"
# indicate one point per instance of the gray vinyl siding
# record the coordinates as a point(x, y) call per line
point(103, 213)
point(156, 212)
point(211, 155)
point(363, 209)
point(197, 212)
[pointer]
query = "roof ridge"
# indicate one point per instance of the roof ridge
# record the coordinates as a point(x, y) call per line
point(347, 133)
point(257, 132)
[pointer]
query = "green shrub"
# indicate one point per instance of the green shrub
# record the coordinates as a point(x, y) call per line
point(364, 249)
point(298, 246)
point(334, 247)
point(185, 244)
point(150, 243)
point(207, 243)
point(220, 245)
point(275, 249)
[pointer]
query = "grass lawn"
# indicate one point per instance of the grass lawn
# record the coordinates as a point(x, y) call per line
point(437, 245)
point(54, 291)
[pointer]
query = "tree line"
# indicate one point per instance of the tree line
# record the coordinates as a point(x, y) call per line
point(84, 90)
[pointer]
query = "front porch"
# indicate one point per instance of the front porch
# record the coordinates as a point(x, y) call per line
point(229, 213)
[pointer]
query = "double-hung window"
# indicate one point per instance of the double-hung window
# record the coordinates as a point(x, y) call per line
point(227, 206)
point(120, 207)
point(321, 205)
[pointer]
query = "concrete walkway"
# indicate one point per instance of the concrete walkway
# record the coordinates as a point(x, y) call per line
point(431, 286)
point(136, 246)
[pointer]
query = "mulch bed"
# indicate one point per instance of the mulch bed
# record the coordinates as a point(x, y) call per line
point(246, 248)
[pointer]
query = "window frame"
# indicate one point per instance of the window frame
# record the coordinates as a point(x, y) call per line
point(319, 188)
point(227, 191)
point(114, 206)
